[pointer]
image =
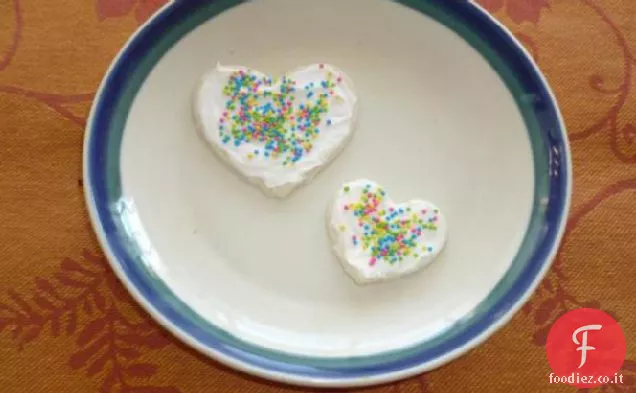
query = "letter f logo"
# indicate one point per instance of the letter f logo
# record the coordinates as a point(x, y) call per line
point(583, 344)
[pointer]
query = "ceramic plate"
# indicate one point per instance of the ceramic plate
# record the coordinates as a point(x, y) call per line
point(451, 110)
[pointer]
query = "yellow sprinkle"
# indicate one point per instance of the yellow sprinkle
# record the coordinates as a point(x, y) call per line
point(342, 228)
point(250, 155)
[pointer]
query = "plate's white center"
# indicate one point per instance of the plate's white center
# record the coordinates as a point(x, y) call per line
point(434, 121)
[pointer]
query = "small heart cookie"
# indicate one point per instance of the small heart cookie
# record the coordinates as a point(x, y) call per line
point(377, 239)
point(276, 133)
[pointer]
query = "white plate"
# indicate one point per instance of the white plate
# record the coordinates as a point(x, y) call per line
point(461, 118)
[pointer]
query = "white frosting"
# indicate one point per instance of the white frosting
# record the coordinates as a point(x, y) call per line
point(355, 236)
point(279, 175)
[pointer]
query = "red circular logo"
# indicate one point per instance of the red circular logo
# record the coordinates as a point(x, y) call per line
point(586, 348)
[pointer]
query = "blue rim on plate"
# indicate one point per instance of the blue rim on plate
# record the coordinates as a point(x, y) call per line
point(551, 203)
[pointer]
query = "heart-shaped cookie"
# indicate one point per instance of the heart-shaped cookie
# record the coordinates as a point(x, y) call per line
point(377, 239)
point(276, 133)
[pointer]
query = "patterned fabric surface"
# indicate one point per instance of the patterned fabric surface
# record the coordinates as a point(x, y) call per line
point(67, 325)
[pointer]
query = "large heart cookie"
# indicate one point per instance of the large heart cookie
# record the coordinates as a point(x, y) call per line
point(277, 133)
point(377, 239)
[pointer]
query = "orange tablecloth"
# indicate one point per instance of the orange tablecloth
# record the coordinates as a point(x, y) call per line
point(66, 323)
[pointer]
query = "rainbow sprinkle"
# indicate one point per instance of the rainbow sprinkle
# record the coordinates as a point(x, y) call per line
point(281, 119)
point(389, 234)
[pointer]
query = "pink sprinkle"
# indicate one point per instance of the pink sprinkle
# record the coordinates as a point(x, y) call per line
point(435, 218)
point(224, 114)
point(346, 207)
point(423, 211)
point(391, 209)
point(372, 261)
point(322, 66)
point(339, 79)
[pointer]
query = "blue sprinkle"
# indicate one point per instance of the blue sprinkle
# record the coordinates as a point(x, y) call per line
point(329, 122)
